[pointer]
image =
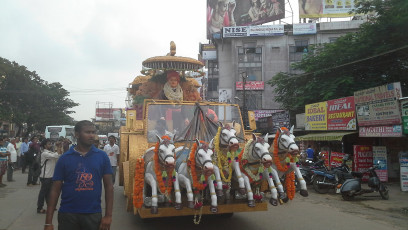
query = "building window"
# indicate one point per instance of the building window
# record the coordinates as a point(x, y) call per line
point(253, 99)
point(297, 51)
point(212, 84)
point(250, 55)
point(253, 73)
point(331, 40)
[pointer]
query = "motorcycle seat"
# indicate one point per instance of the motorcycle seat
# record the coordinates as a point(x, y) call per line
point(357, 174)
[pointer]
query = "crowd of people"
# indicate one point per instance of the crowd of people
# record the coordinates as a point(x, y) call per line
point(66, 171)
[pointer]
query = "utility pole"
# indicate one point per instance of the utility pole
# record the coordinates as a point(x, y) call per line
point(244, 108)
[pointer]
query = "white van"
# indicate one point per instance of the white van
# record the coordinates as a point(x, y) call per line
point(54, 132)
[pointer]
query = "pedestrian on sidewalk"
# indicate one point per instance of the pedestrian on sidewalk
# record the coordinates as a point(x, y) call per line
point(3, 161)
point(36, 169)
point(32, 165)
point(48, 161)
point(23, 150)
point(78, 174)
point(113, 153)
point(12, 159)
point(18, 147)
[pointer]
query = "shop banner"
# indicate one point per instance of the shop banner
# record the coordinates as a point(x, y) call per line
point(363, 159)
point(341, 114)
point(304, 28)
point(379, 105)
point(380, 158)
point(315, 116)
point(404, 110)
point(209, 52)
point(250, 85)
point(380, 131)
point(403, 159)
point(265, 113)
point(336, 159)
point(280, 119)
point(235, 31)
point(266, 30)
point(326, 8)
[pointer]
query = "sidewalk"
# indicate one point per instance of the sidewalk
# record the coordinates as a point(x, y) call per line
point(19, 202)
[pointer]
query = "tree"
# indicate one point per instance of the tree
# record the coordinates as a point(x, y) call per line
point(26, 98)
point(374, 56)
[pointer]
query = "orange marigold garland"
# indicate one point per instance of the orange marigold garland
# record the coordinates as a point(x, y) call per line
point(163, 189)
point(290, 177)
point(138, 184)
point(192, 163)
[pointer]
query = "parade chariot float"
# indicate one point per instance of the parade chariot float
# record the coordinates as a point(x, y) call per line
point(184, 156)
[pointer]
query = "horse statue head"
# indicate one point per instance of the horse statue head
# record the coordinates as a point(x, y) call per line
point(228, 137)
point(166, 151)
point(203, 157)
point(259, 150)
point(286, 141)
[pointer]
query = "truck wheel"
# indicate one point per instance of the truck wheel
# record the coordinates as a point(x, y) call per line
point(319, 188)
point(347, 197)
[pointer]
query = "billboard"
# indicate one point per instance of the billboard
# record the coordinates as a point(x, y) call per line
point(209, 52)
point(225, 95)
point(108, 114)
point(379, 105)
point(304, 28)
point(326, 8)
point(316, 116)
point(404, 110)
point(225, 13)
point(249, 85)
point(341, 114)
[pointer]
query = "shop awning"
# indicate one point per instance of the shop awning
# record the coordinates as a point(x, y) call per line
point(329, 136)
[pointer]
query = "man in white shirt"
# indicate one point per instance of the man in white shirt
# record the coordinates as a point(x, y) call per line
point(113, 153)
point(12, 159)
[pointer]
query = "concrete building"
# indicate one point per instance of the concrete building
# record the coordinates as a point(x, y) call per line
point(262, 57)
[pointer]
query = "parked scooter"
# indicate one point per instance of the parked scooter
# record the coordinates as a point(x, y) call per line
point(352, 187)
point(323, 180)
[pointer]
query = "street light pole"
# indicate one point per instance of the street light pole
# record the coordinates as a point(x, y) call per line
point(244, 108)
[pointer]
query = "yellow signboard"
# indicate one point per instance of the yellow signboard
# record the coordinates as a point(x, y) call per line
point(316, 116)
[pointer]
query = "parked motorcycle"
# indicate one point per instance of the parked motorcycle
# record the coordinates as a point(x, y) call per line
point(307, 170)
point(352, 187)
point(323, 180)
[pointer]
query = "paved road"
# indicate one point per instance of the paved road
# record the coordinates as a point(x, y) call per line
point(18, 212)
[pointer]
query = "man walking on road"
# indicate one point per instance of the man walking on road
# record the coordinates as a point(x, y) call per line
point(113, 153)
point(12, 159)
point(23, 150)
point(3, 161)
point(78, 174)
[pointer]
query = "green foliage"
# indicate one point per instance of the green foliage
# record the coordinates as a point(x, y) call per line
point(374, 56)
point(26, 98)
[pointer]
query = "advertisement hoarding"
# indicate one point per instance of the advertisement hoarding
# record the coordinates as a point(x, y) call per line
point(326, 8)
point(380, 158)
point(280, 119)
point(266, 30)
point(315, 116)
point(264, 113)
point(403, 160)
point(225, 13)
point(304, 28)
point(209, 52)
point(341, 114)
point(250, 85)
point(108, 114)
point(379, 105)
point(225, 95)
point(363, 158)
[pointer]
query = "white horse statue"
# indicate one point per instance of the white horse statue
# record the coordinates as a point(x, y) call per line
point(226, 157)
point(160, 172)
point(285, 151)
point(197, 174)
point(256, 166)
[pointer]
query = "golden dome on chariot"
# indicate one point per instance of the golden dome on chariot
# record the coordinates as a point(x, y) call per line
point(168, 77)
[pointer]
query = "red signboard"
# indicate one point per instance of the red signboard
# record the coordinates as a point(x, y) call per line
point(250, 85)
point(363, 158)
point(336, 159)
point(341, 114)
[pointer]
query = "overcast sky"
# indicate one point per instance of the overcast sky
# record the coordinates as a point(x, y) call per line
point(95, 48)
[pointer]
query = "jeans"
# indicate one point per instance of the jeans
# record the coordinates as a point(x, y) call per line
point(79, 221)
point(44, 194)
point(10, 170)
point(23, 164)
point(113, 174)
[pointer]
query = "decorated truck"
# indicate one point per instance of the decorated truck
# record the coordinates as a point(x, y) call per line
point(182, 156)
